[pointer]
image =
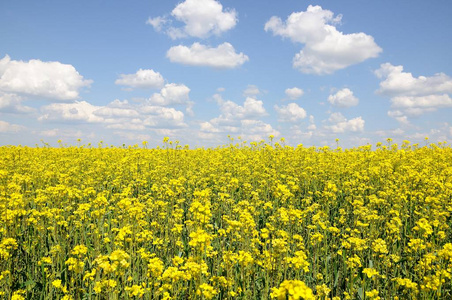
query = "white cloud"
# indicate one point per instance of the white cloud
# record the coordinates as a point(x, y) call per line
point(50, 133)
point(170, 94)
point(80, 111)
point(413, 96)
point(399, 116)
point(223, 56)
point(8, 127)
point(132, 136)
point(294, 93)
point(231, 112)
point(326, 49)
point(142, 79)
point(340, 124)
point(343, 98)
point(11, 103)
point(391, 133)
point(208, 127)
point(135, 124)
point(398, 83)
point(257, 130)
point(252, 130)
point(125, 116)
point(50, 80)
point(116, 112)
point(430, 101)
point(238, 120)
point(312, 125)
point(157, 23)
point(202, 18)
point(66, 133)
point(119, 104)
point(251, 90)
point(152, 113)
point(297, 134)
point(290, 112)
point(162, 117)
point(336, 117)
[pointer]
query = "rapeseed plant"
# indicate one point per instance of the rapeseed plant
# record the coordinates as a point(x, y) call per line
point(243, 221)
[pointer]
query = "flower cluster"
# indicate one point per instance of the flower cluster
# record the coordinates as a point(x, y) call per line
point(248, 221)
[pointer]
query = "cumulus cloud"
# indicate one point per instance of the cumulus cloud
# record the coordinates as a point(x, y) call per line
point(116, 112)
point(131, 125)
point(12, 103)
point(294, 93)
point(232, 112)
point(326, 49)
point(141, 79)
point(399, 116)
point(65, 133)
point(396, 82)
point(421, 102)
point(391, 133)
point(413, 96)
point(256, 130)
point(132, 136)
point(152, 113)
point(157, 23)
point(340, 124)
point(79, 111)
point(312, 125)
point(171, 93)
point(208, 127)
point(202, 18)
point(238, 120)
point(49, 80)
point(253, 130)
point(6, 127)
point(343, 98)
point(119, 115)
point(251, 90)
point(223, 56)
point(297, 133)
point(125, 116)
point(162, 117)
point(290, 112)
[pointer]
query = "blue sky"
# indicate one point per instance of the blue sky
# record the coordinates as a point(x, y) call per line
point(200, 70)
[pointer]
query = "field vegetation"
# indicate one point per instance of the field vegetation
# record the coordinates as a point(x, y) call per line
point(242, 221)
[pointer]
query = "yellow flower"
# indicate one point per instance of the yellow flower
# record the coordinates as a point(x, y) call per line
point(299, 261)
point(79, 250)
point(57, 283)
point(200, 239)
point(373, 295)
point(354, 262)
point(322, 290)
point(206, 290)
point(379, 246)
point(293, 290)
point(75, 265)
point(370, 272)
point(155, 267)
point(18, 295)
point(406, 283)
point(135, 290)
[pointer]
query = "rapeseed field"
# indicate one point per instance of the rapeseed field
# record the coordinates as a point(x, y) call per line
point(242, 221)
